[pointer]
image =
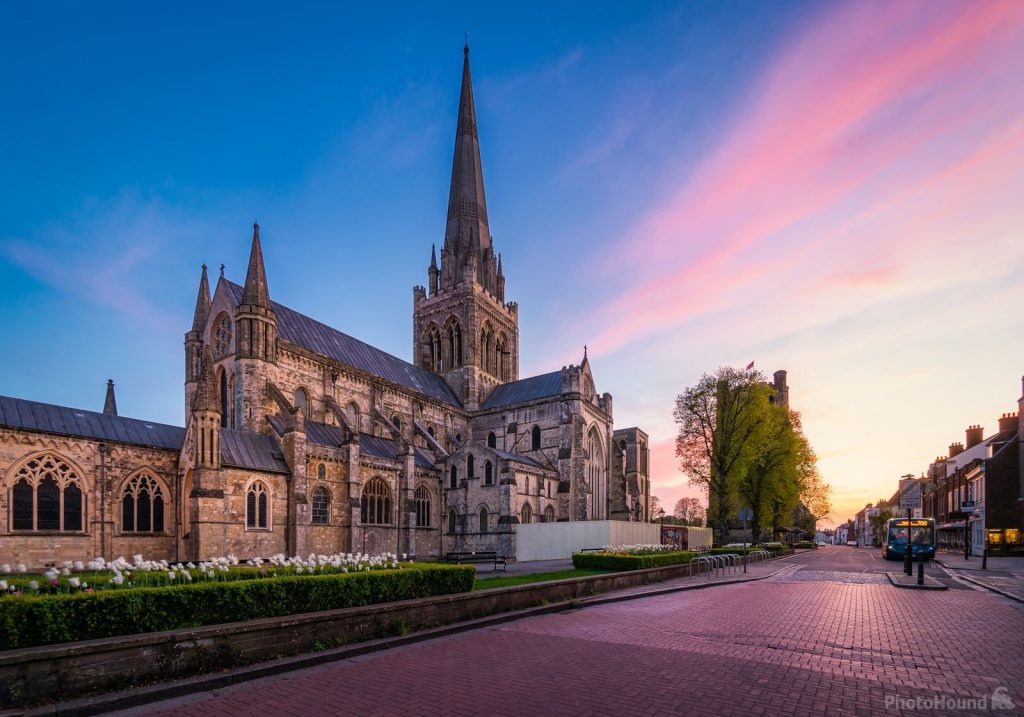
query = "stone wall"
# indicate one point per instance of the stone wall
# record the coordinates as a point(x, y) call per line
point(102, 475)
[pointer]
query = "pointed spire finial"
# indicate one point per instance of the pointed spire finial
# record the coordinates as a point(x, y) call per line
point(465, 49)
point(584, 352)
point(202, 303)
point(110, 404)
point(433, 256)
point(255, 291)
point(222, 269)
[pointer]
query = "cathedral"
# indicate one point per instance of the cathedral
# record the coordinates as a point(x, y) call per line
point(301, 439)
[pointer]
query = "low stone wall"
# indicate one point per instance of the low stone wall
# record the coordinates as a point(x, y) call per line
point(55, 672)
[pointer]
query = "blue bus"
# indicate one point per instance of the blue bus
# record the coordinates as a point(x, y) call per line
point(921, 532)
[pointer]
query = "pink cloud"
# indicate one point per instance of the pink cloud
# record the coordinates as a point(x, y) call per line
point(874, 111)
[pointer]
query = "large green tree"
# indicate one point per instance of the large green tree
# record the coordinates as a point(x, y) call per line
point(720, 422)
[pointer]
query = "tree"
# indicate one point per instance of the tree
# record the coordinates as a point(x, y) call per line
point(719, 422)
point(878, 525)
point(655, 508)
point(689, 511)
point(768, 485)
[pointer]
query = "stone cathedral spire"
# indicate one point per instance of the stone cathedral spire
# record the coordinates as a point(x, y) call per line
point(463, 329)
point(467, 237)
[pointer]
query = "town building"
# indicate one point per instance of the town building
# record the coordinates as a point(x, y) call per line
point(299, 438)
point(983, 475)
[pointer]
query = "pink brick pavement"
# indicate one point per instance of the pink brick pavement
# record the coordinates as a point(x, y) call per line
point(781, 646)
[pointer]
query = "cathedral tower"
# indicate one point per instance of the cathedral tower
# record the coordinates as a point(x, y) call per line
point(462, 327)
point(255, 340)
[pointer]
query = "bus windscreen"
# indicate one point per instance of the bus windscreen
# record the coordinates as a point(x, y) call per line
point(921, 531)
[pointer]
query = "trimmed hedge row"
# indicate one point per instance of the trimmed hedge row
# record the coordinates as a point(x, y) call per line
point(616, 561)
point(29, 620)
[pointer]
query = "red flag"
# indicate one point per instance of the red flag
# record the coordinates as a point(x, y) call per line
point(750, 365)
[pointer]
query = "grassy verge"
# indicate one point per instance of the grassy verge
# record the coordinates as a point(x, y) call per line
point(507, 581)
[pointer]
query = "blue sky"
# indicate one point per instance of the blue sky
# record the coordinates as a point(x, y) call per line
point(140, 141)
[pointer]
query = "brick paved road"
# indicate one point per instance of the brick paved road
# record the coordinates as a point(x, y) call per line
point(787, 645)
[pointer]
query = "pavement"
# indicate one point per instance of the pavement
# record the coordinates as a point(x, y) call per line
point(822, 632)
point(1004, 576)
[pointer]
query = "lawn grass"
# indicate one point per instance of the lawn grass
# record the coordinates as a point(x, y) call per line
point(507, 581)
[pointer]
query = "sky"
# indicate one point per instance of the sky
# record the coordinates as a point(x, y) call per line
point(833, 189)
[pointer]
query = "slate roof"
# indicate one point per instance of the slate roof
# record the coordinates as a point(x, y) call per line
point(309, 333)
point(525, 389)
point(321, 434)
point(246, 449)
point(64, 421)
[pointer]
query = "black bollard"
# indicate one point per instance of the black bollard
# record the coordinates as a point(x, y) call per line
point(920, 573)
point(984, 559)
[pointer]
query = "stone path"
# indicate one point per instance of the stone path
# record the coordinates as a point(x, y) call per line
point(786, 645)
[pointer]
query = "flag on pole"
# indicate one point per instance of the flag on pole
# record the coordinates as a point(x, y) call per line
point(750, 365)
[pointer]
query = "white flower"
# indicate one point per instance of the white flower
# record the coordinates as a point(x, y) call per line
point(68, 564)
point(21, 568)
point(74, 582)
point(187, 575)
point(33, 585)
point(79, 565)
point(118, 579)
point(5, 568)
point(405, 556)
point(170, 575)
point(3, 584)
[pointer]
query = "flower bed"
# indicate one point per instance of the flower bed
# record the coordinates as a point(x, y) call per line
point(59, 613)
point(641, 549)
point(619, 561)
point(99, 574)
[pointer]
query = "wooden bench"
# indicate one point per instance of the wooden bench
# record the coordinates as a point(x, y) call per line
point(477, 557)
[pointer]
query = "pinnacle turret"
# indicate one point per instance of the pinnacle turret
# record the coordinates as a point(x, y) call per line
point(255, 292)
point(202, 303)
point(110, 404)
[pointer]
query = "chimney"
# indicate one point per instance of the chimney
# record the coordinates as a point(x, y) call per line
point(975, 435)
point(1008, 422)
point(955, 448)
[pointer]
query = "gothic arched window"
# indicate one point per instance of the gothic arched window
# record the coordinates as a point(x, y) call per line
point(470, 473)
point(142, 505)
point(453, 481)
point(221, 336)
point(483, 520)
point(549, 514)
point(223, 383)
point(301, 401)
point(47, 495)
point(375, 505)
point(396, 421)
point(596, 474)
point(257, 506)
point(432, 349)
point(488, 473)
point(321, 505)
point(526, 516)
point(321, 472)
point(502, 355)
point(535, 439)
point(492, 440)
point(422, 498)
point(352, 416)
point(453, 520)
point(453, 349)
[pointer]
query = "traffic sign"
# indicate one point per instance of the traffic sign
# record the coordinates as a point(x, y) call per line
point(967, 506)
point(910, 493)
point(746, 514)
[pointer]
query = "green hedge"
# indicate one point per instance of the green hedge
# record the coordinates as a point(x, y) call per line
point(615, 561)
point(28, 620)
point(805, 545)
